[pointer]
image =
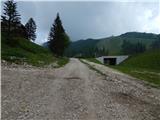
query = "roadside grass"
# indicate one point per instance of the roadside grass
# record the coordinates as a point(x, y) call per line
point(93, 60)
point(28, 52)
point(143, 66)
point(151, 76)
point(61, 61)
point(92, 68)
point(150, 59)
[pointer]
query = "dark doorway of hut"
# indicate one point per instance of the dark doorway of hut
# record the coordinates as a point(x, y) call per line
point(110, 61)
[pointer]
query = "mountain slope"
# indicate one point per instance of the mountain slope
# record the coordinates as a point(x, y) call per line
point(147, 60)
point(145, 66)
point(81, 47)
point(112, 44)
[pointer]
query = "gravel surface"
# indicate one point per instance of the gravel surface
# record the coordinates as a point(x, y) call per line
point(75, 92)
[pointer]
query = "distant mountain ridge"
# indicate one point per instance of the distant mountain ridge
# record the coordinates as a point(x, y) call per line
point(110, 44)
point(139, 35)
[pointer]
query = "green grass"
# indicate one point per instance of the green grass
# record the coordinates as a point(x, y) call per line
point(91, 67)
point(93, 60)
point(29, 52)
point(62, 61)
point(148, 60)
point(144, 66)
point(149, 75)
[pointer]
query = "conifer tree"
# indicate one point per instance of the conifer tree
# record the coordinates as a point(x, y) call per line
point(10, 17)
point(31, 29)
point(58, 39)
point(156, 44)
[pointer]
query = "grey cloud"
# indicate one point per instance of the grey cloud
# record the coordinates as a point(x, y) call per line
point(83, 20)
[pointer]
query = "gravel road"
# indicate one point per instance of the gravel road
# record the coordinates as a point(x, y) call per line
point(75, 92)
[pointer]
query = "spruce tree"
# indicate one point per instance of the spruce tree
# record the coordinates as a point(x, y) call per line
point(156, 44)
point(139, 47)
point(10, 17)
point(58, 39)
point(31, 29)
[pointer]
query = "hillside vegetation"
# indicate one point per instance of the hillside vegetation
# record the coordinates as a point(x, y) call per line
point(145, 66)
point(81, 47)
point(18, 39)
point(29, 52)
point(148, 60)
point(110, 44)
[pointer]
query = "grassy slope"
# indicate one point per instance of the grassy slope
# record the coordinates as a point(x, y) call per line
point(26, 51)
point(93, 60)
point(148, 60)
point(114, 43)
point(145, 66)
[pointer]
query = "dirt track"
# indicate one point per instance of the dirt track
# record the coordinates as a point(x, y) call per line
point(76, 92)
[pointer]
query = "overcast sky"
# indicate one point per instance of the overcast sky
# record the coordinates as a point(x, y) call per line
point(83, 20)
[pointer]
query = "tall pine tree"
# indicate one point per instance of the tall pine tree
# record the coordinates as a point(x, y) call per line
point(10, 18)
point(132, 48)
point(156, 44)
point(58, 39)
point(31, 29)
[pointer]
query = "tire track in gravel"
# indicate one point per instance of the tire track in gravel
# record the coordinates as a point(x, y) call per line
point(75, 92)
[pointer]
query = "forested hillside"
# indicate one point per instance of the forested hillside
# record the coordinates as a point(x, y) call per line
point(109, 46)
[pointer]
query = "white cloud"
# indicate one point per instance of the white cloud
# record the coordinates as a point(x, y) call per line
point(83, 20)
point(153, 25)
